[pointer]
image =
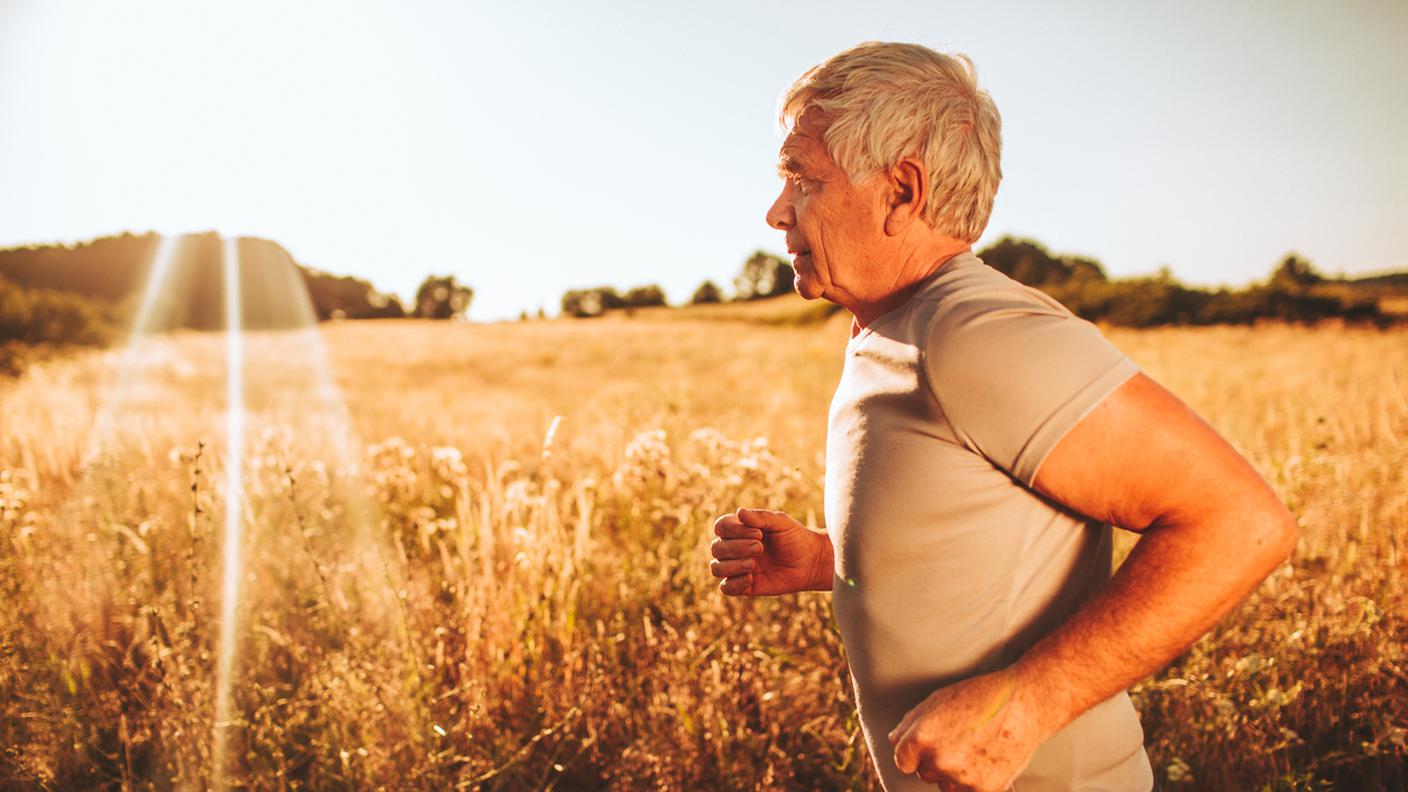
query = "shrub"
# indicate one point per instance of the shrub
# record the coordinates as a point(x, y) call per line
point(706, 294)
point(582, 303)
point(763, 275)
point(645, 297)
point(41, 316)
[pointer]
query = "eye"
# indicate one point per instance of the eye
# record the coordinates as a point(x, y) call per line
point(793, 177)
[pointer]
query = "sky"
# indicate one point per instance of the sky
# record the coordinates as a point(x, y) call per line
point(528, 147)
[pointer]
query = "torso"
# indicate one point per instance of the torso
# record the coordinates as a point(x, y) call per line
point(946, 566)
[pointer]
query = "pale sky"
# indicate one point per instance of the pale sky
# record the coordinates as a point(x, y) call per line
point(529, 148)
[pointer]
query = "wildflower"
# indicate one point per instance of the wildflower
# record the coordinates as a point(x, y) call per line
point(448, 462)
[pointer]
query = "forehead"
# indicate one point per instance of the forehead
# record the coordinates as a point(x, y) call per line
point(805, 145)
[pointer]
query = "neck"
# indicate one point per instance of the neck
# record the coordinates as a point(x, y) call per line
point(899, 284)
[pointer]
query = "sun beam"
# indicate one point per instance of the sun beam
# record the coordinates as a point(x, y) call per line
point(234, 487)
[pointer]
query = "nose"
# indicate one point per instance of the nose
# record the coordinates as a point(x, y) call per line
point(780, 214)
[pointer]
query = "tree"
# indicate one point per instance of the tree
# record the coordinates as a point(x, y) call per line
point(706, 293)
point(442, 297)
point(1030, 263)
point(582, 303)
point(1294, 274)
point(763, 275)
point(1082, 269)
point(645, 296)
point(348, 298)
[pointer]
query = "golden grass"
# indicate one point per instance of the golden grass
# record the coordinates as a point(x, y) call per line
point(783, 310)
point(457, 603)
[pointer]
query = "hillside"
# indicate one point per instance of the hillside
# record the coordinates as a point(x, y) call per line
point(112, 272)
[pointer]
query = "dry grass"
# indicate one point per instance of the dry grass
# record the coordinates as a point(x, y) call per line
point(459, 604)
point(784, 310)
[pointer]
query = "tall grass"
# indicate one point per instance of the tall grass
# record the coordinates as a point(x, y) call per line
point(505, 586)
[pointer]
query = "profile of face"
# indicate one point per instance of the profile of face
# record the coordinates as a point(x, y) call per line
point(832, 225)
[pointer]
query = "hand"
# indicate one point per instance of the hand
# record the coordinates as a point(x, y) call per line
point(761, 553)
point(977, 734)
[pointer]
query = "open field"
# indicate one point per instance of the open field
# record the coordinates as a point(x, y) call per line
point(447, 586)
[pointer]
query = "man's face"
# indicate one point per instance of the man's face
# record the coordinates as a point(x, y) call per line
point(831, 224)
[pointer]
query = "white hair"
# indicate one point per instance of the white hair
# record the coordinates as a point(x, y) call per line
point(887, 101)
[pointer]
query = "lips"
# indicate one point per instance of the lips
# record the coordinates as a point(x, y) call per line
point(802, 265)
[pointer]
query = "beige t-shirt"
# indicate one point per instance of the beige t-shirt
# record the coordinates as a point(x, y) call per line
point(947, 564)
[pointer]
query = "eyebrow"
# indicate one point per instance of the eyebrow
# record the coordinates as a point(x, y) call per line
point(789, 166)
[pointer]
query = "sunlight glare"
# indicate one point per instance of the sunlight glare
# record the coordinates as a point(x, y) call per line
point(230, 589)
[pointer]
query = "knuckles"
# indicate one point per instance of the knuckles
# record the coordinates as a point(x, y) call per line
point(734, 540)
point(934, 768)
point(908, 754)
point(730, 549)
point(734, 586)
point(915, 755)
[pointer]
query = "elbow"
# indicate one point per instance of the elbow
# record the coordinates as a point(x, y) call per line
point(1291, 535)
point(1279, 535)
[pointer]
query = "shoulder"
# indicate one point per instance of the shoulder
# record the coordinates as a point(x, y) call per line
point(977, 312)
point(1009, 365)
point(966, 287)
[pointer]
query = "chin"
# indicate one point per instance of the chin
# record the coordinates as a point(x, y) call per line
point(808, 289)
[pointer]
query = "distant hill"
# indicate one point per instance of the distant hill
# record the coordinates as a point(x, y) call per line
point(113, 271)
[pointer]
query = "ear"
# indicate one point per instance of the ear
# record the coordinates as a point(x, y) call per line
point(909, 191)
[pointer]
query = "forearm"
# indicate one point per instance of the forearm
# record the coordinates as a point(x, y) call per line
point(1176, 584)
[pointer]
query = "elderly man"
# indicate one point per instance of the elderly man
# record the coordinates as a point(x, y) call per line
point(981, 442)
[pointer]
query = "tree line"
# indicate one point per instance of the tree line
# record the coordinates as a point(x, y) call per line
point(1294, 291)
point(83, 293)
point(763, 275)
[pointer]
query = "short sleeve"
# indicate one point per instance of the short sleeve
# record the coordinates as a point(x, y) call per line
point(1013, 372)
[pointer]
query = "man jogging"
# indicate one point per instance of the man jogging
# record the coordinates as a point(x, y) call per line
point(981, 443)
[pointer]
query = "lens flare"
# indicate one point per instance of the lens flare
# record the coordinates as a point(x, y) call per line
point(234, 487)
point(225, 348)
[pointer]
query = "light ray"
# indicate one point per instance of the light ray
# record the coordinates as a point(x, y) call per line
point(156, 287)
point(234, 487)
point(156, 282)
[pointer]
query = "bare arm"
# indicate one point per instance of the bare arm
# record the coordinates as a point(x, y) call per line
point(1212, 529)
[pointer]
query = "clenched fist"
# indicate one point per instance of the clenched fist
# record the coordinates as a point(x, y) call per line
point(760, 553)
point(976, 735)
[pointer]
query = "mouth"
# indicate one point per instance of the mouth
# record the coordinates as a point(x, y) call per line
point(801, 262)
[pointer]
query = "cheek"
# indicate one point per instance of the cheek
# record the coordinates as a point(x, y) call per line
point(808, 223)
point(821, 237)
